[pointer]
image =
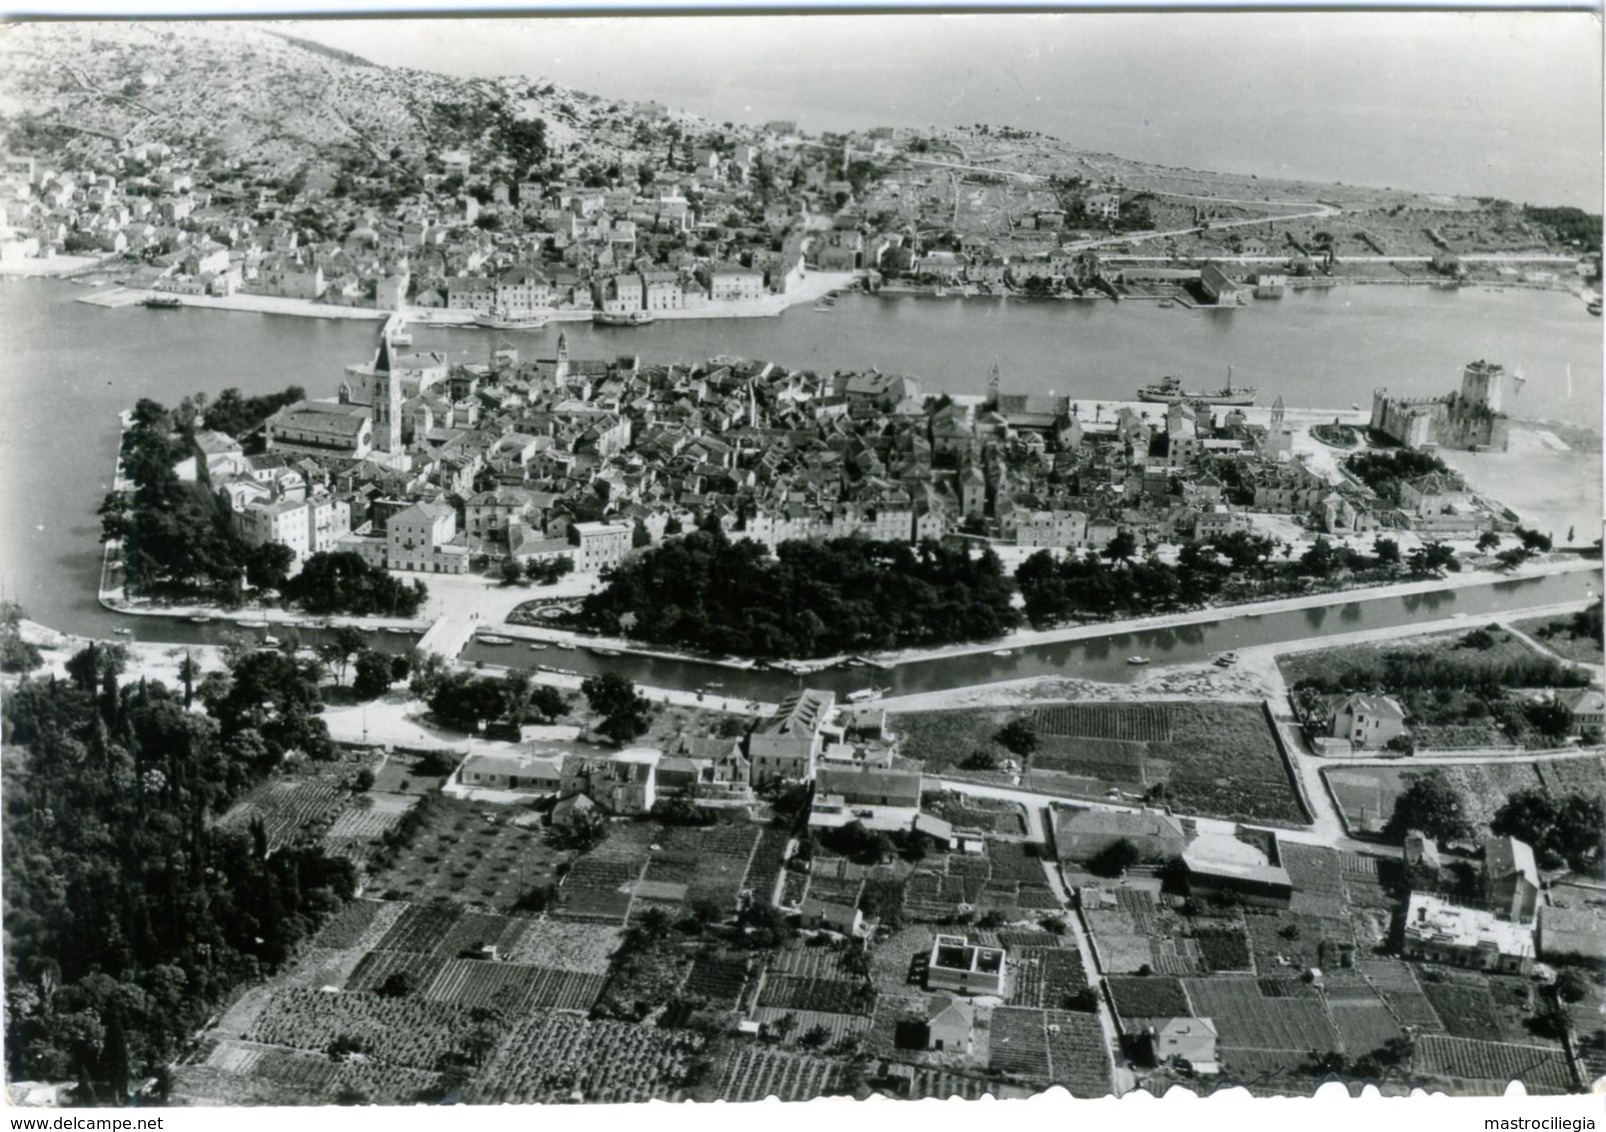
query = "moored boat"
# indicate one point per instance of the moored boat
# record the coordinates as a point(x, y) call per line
point(497, 318)
point(1136, 660)
point(493, 639)
point(1170, 391)
point(537, 647)
point(605, 652)
point(864, 695)
point(121, 632)
point(1003, 652)
point(202, 618)
point(161, 302)
point(623, 318)
point(252, 624)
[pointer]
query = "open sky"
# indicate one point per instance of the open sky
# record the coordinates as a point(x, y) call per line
point(1501, 104)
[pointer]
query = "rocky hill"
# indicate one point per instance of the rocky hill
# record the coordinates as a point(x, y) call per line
point(247, 90)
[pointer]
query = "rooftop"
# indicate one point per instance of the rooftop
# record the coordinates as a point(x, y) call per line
point(1430, 920)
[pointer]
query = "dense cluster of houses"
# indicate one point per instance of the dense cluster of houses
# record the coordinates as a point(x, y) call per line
point(422, 465)
point(691, 219)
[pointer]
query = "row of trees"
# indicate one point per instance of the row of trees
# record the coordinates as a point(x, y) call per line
point(1117, 581)
point(811, 599)
point(129, 912)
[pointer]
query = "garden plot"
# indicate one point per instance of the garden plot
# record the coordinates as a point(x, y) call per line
point(421, 929)
point(554, 1057)
point(1139, 999)
point(1466, 1009)
point(796, 1023)
point(290, 809)
point(571, 947)
point(359, 925)
point(1362, 1018)
point(367, 819)
point(1488, 1067)
point(1216, 759)
point(272, 1076)
point(982, 815)
point(718, 979)
point(830, 996)
point(1396, 984)
point(466, 854)
point(768, 856)
point(1018, 1043)
point(754, 1074)
point(811, 963)
point(1077, 1055)
point(1245, 1018)
point(1045, 977)
point(377, 966)
point(942, 1085)
point(1120, 947)
point(514, 987)
point(410, 1031)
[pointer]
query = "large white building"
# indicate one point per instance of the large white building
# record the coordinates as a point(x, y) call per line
point(306, 526)
point(600, 546)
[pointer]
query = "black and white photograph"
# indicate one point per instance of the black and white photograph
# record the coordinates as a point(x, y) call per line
point(597, 558)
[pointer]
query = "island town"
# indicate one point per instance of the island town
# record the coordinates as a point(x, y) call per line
point(532, 727)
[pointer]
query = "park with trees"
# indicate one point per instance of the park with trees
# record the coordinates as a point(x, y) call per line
point(809, 599)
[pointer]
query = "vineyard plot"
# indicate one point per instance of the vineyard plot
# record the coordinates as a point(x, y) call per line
point(755, 1074)
point(555, 1057)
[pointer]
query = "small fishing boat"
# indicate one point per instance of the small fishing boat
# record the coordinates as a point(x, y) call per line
point(715, 684)
point(1136, 660)
point(854, 664)
point(397, 629)
point(123, 632)
point(605, 652)
point(202, 618)
point(252, 624)
point(161, 303)
point(538, 647)
point(564, 644)
point(864, 695)
point(493, 639)
point(1003, 652)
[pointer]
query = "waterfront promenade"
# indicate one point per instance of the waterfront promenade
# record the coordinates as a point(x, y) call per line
point(807, 290)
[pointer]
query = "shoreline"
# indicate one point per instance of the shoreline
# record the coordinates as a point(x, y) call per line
point(810, 289)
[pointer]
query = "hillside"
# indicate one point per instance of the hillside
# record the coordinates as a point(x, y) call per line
point(246, 90)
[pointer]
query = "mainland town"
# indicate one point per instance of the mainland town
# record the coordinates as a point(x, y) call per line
point(540, 728)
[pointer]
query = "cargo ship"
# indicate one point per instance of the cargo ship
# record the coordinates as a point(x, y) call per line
point(1170, 391)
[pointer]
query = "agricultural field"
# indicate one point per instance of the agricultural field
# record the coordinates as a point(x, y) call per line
point(1212, 759)
point(1045, 977)
point(1396, 983)
point(1139, 998)
point(720, 980)
point(754, 1073)
point(410, 1032)
point(239, 1073)
point(1018, 1044)
point(1077, 1055)
point(365, 821)
point(1248, 1019)
point(549, 1058)
point(1359, 1013)
point(470, 854)
point(1489, 1067)
point(1008, 880)
point(294, 808)
point(1147, 934)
